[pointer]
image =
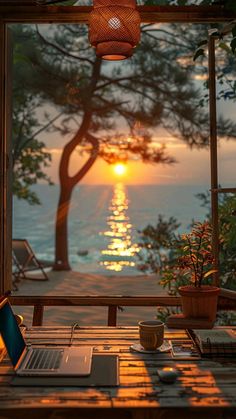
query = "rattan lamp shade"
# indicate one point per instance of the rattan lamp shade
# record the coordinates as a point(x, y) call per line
point(114, 28)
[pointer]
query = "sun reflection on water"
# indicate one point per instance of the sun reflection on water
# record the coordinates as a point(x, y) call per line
point(120, 251)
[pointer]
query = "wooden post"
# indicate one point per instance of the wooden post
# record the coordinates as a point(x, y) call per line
point(14, 11)
point(2, 131)
point(213, 155)
point(38, 315)
point(5, 159)
point(112, 315)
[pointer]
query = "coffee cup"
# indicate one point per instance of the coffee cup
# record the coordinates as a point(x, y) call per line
point(151, 333)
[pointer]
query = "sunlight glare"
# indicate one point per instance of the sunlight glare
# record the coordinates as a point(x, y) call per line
point(120, 169)
point(121, 251)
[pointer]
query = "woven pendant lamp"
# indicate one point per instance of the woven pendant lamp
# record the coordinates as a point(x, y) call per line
point(114, 28)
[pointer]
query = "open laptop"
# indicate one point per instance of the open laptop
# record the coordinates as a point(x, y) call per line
point(45, 361)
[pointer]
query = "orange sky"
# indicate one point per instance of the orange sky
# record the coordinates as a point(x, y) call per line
point(193, 167)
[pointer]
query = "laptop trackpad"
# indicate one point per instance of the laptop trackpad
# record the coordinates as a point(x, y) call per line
point(76, 361)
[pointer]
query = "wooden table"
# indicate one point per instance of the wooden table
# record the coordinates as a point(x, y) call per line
point(204, 388)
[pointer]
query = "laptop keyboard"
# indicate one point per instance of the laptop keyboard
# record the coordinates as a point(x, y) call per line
point(44, 359)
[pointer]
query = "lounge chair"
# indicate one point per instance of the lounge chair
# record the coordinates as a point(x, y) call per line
point(24, 260)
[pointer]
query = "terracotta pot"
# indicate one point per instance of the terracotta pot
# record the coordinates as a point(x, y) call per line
point(199, 302)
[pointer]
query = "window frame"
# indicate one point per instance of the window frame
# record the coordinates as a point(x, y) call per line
point(14, 12)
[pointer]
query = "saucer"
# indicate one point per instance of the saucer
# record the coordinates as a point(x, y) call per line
point(165, 347)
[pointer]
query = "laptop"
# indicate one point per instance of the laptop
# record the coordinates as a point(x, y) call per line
point(40, 361)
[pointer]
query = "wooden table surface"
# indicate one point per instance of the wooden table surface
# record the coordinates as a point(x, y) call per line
point(204, 387)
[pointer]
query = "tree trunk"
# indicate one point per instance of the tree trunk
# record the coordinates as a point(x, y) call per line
point(67, 182)
point(61, 238)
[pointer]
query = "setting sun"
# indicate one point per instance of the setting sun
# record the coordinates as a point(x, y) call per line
point(120, 169)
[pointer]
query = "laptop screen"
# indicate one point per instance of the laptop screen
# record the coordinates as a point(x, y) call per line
point(10, 332)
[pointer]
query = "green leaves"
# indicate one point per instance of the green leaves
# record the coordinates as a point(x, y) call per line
point(155, 243)
point(230, 5)
point(233, 42)
point(18, 57)
point(182, 2)
point(234, 31)
point(196, 260)
point(233, 45)
point(178, 259)
point(225, 47)
point(200, 51)
point(29, 155)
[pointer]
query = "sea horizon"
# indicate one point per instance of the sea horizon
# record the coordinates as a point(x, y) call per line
point(91, 221)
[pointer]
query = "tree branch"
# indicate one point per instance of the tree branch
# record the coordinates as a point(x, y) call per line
point(61, 50)
point(93, 156)
point(23, 145)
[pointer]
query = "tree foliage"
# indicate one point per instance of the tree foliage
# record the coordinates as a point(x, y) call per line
point(92, 100)
point(227, 236)
point(161, 253)
point(29, 155)
point(163, 249)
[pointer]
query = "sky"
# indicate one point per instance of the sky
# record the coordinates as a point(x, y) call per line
point(191, 167)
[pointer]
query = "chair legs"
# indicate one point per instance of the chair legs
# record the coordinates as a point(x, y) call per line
point(21, 274)
point(25, 262)
point(15, 280)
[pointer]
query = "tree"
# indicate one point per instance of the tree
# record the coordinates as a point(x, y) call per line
point(161, 252)
point(28, 153)
point(227, 235)
point(155, 244)
point(147, 91)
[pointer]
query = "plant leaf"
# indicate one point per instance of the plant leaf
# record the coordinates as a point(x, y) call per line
point(182, 2)
point(201, 43)
point(224, 46)
point(230, 5)
point(234, 31)
point(209, 273)
point(199, 52)
point(233, 45)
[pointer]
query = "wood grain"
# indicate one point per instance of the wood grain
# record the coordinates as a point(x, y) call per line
point(16, 11)
point(225, 302)
point(201, 384)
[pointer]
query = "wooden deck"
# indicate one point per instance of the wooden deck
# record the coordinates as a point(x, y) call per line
point(204, 388)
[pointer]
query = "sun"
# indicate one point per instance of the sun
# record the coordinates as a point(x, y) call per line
point(120, 169)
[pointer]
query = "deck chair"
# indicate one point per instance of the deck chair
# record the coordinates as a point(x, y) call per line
point(24, 260)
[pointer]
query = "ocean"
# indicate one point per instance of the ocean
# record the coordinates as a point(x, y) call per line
point(104, 222)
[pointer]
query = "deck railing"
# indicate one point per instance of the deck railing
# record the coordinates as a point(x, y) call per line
point(111, 302)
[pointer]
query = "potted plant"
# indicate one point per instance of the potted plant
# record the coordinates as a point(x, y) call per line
point(196, 263)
